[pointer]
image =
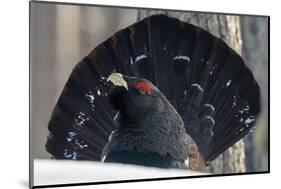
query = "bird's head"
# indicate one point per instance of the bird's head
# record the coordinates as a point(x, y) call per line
point(134, 97)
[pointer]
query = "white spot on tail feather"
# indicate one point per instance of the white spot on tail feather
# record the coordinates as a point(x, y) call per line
point(212, 119)
point(103, 78)
point(213, 69)
point(210, 106)
point(98, 92)
point(110, 136)
point(180, 57)
point(197, 85)
point(90, 97)
point(140, 57)
point(80, 119)
point(131, 60)
point(241, 120)
point(116, 116)
point(234, 103)
point(81, 144)
point(235, 98)
point(70, 136)
point(249, 120)
point(246, 109)
point(70, 155)
point(66, 154)
point(228, 83)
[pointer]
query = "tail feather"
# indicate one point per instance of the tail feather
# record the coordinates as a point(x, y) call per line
point(206, 81)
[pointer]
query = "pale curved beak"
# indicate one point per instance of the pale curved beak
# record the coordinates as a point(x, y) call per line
point(118, 80)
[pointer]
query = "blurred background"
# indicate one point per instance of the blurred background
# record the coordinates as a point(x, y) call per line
point(61, 35)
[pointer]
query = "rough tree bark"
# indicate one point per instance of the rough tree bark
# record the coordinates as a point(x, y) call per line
point(228, 29)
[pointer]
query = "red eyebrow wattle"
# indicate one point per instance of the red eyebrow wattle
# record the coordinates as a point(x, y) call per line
point(143, 85)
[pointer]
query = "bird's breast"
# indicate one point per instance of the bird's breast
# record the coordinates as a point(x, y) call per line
point(144, 159)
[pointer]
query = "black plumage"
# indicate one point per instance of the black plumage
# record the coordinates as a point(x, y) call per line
point(148, 124)
point(211, 97)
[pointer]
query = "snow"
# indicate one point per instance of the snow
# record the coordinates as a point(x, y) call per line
point(180, 57)
point(49, 172)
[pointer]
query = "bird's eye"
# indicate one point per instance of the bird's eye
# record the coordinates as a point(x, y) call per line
point(142, 91)
point(143, 88)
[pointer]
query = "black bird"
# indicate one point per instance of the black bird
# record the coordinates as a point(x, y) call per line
point(150, 131)
point(160, 93)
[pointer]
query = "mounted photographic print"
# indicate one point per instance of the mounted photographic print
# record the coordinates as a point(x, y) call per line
point(121, 94)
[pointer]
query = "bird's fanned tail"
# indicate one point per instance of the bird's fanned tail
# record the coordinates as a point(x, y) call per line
point(205, 80)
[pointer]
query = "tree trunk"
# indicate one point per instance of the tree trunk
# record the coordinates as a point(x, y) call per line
point(228, 29)
point(255, 53)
